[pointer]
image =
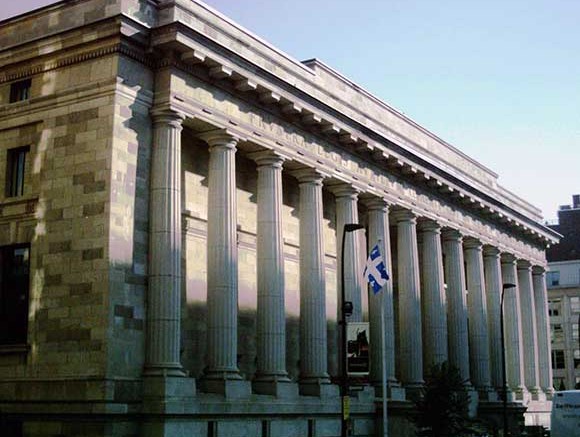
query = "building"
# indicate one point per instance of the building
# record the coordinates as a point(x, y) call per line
point(175, 191)
point(563, 280)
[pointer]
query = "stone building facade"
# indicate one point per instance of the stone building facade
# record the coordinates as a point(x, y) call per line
point(174, 195)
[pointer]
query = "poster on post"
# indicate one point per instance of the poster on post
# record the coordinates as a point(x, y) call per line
point(357, 341)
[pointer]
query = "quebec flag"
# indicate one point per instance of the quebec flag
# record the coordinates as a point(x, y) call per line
point(375, 272)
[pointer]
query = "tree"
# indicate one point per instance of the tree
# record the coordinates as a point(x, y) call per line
point(443, 408)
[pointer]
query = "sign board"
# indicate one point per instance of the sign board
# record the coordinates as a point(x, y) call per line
point(565, 419)
point(357, 341)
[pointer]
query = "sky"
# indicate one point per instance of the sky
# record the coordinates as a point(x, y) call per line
point(497, 79)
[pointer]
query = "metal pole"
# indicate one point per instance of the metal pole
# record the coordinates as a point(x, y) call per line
point(384, 359)
point(505, 422)
point(344, 382)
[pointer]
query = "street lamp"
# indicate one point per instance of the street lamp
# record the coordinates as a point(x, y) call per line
point(505, 422)
point(345, 310)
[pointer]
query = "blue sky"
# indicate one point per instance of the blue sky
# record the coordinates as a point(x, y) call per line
point(500, 80)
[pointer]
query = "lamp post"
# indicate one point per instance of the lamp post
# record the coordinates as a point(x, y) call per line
point(345, 310)
point(505, 421)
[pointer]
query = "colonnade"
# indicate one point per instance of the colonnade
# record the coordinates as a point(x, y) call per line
point(448, 284)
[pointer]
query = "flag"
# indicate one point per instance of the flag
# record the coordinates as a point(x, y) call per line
point(375, 271)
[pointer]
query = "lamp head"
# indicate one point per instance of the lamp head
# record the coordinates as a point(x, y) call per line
point(508, 285)
point(347, 307)
point(351, 227)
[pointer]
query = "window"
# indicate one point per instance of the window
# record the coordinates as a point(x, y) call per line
point(554, 308)
point(558, 360)
point(575, 304)
point(16, 163)
point(14, 284)
point(577, 358)
point(575, 332)
point(20, 90)
point(553, 278)
point(557, 333)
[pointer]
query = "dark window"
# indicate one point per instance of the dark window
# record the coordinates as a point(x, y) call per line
point(20, 90)
point(14, 286)
point(558, 360)
point(15, 167)
point(553, 278)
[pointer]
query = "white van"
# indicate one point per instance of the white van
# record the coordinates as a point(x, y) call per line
point(566, 414)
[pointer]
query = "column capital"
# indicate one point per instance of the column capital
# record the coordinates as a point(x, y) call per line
point(508, 258)
point(167, 116)
point(450, 234)
point(538, 270)
point(308, 175)
point(375, 203)
point(472, 243)
point(343, 189)
point(220, 138)
point(404, 215)
point(429, 225)
point(267, 158)
point(524, 264)
point(491, 251)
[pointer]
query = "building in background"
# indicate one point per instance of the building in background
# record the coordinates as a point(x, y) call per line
point(563, 282)
point(173, 191)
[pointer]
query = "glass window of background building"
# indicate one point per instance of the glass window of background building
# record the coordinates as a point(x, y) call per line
point(554, 307)
point(558, 361)
point(553, 278)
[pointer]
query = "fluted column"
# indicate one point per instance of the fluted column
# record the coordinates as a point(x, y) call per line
point(347, 212)
point(164, 293)
point(477, 307)
point(456, 302)
point(378, 228)
point(222, 259)
point(271, 322)
point(409, 286)
point(543, 327)
point(493, 284)
point(529, 328)
point(313, 355)
point(512, 327)
point(433, 299)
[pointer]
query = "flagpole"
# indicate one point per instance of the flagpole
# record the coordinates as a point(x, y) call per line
point(384, 360)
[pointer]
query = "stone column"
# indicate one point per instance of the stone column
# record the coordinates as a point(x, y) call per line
point(410, 341)
point(543, 327)
point(477, 307)
point(493, 284)
point(378, 228)
point(347, 212)
point(512, 327)
point(314, 379)
point(221, 373)
point(164, 293)
point(271, 319)
point(456, 302)
point(433, 299)
point(529, 329)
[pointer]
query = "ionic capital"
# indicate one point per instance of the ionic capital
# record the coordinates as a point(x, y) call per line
point(491, 251)
point(375, 203)
point(343, 189)
point(538, 270)
point(401, 215)
point(472, 243)
point(508, 258)
point(449, 234)
point(428, 225)
point(524, 264)
point(308, 175)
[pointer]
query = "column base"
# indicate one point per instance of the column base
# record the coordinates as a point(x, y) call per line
point(521, 394)
point(473, 401)
point(167, 394)
point(366, 394)
point(394, 391)
point(536, 393)
point(318, 389)
point(549, 392)
point(413, 390)
point(280, 388)
point(174, 370)
point(487, 394)
point(230, 388)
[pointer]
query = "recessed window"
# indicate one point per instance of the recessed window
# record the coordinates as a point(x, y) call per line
point(553, 278)
point(575, 304)
point(558, 360)
point(15, 167)
point(14, 288)
point(20, 90)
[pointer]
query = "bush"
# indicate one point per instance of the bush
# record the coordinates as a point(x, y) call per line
point(443, 408)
